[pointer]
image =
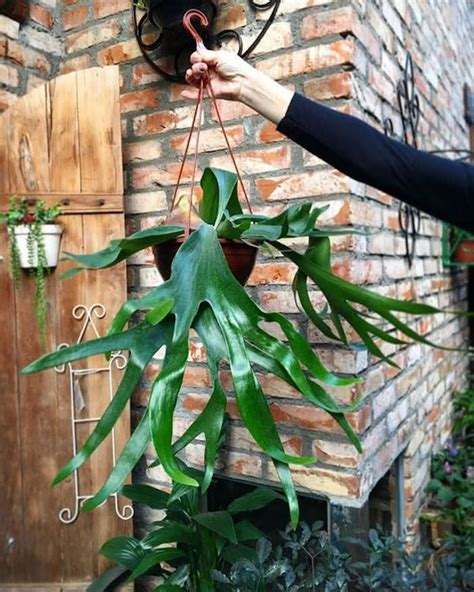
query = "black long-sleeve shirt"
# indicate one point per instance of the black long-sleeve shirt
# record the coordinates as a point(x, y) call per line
point(438, 186)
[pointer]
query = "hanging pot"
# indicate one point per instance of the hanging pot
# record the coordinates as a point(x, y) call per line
point(464, 251)
point(51, 239)
point(240, 257)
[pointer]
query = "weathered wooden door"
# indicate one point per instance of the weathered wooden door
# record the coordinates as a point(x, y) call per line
point(61, 142)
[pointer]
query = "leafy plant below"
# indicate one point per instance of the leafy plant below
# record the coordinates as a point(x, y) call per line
point(306, 560)
point(185, 546)
point(452, 483)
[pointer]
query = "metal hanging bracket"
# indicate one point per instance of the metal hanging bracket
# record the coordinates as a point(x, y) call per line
point(118, 361)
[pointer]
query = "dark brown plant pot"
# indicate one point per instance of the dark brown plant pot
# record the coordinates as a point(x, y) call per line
point(464, 252)
point(18, 10)
point(240, 257)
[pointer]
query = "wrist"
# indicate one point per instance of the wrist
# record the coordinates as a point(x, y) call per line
point(251, 82)
point(265, 95)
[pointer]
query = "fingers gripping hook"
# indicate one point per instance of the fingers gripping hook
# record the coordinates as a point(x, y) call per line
point(188, 25)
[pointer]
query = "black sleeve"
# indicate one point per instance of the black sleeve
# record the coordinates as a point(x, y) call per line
point(438, 186)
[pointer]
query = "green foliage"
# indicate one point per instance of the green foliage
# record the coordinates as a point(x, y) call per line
point(19, 214)
point(463, 428)
point(203, 295)
point(36, 246)
point(140, 4)
point(452, 483)
point(452, 487)
point(187, 544)
point(306, 560)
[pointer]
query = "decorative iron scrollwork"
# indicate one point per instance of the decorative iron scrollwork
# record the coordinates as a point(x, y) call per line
point(160, 33)
point(87, 315)
point(409, 108)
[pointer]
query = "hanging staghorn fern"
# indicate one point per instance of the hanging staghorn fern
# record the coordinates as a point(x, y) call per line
point(202, 294)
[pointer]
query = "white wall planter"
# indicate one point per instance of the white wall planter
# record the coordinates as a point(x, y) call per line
point(51, 238)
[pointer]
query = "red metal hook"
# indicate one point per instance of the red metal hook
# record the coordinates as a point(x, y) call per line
point(190, 27)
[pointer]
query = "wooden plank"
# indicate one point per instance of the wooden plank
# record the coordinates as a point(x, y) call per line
point(64, 164)
point(40, 442)
point(70, 293)
point(44, 160)
point(28, 143)
point(100, 134)
point(11, 511)
point(74, 204)
point(4, 179)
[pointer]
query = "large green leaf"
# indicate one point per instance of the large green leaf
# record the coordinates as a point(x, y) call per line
point(110, 577)
point(170, 531)
point(246, 531)
point(220, 197)
point(131, 454)
point(126, 551)
point(255, 500)
point(297, 221)
point(219, 522)
point(147, 495)
point(152, 559)
point(121, 249)
point(142, 342)
point(315, 264)
point(200, 275)
point(210, 423)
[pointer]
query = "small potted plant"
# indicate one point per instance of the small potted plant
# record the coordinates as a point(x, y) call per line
point(458, 247)
point(34, 241)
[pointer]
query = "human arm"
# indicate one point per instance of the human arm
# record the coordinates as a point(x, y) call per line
point(235, 80)
point(440, 187)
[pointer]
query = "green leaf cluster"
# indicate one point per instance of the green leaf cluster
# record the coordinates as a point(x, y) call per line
point(19, 211)
point(185, 546)
point(307, 559)
point(451, 488)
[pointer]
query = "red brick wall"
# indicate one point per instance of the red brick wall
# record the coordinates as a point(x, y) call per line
point(30, 53)
point(348, 54)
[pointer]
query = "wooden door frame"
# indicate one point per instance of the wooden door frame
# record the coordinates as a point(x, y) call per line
point(54, 143)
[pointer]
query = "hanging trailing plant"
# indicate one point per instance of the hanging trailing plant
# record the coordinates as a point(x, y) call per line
point(202, 294)
point(33, 242)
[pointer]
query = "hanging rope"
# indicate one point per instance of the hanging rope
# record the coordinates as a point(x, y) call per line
point(197, 124)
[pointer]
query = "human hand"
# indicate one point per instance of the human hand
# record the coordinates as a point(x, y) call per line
point(227, 71)
point(235, 80)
